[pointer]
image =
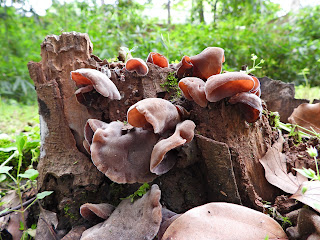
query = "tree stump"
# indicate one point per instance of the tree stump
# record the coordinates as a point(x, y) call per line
point(220, 164)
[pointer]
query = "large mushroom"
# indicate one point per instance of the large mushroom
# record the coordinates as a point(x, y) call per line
point(138, 220)
point(203, 65)
point(228, 84)
point(154, 113)
point(122, 155)
point(223, 221)
point(87, 79)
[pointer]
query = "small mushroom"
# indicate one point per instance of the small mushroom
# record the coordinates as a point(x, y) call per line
point(185, 67)
point(123, 156)
point(137, 65)
point(205, 64)
point(223, 221)
point(138, 220)
point(256, 90)
point(153, 113)
point(184, 133)
point(168, 217)
point(87, 79)
point(250, 105)
point(193, 89)
point(227, 84)
point(92, 212)
point(158, 59)
point(208, 62)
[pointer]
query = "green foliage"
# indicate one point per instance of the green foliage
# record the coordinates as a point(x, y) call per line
point(172, 85)
point(139, 193)
point(272, 212)
point(309, 173)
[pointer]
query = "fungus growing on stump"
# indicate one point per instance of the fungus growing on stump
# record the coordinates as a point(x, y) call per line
point(184, 133)
point(123, 156)
point(193, 90)
point(158, 59)
point(228, 84)
point(138, 220)
point(155, 114)
point(137, 65)
point(94, 212)
point(88, 79)
point(250, 105)
point(203, 65)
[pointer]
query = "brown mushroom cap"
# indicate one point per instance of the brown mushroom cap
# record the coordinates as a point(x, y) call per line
point(185, 67)
point(193, 89)
point(223, 221)
point(256, 90)
point(307, 115)
point(137, 65)
point(250, 105)
point(100, 81)
point(183, 134)
point(138, 220)
point(227, 84)
point(92, 211)
point(158, 113)
point(208, 62)
point(158, 59)
point(124, 157)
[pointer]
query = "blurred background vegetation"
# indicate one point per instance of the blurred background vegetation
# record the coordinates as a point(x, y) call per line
point(289, 44)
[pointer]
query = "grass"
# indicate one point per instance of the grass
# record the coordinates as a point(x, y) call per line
point(306, 92)
point(16, 118)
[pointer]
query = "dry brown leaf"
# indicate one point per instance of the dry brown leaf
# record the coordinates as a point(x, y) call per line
point(224, 221)
point(309, 194)
point(307, 115)
point(274, 163)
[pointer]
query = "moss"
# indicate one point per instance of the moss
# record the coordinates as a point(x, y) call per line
point(172, 85)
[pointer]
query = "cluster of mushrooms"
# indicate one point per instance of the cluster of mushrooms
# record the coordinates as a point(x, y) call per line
point(139, 150)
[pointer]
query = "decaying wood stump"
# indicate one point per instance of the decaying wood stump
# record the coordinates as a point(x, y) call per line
point(220, 164)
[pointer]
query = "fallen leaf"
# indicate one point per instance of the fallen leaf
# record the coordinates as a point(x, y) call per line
point(274, 163)
point(226, 221)
point(307, 116)
point(309, 194)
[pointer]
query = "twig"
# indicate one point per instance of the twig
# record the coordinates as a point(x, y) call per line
point(18, 207)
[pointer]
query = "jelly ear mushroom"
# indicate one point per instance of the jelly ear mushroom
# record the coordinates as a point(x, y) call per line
point(223, 221)
point(137, 65)
point(138, 220)
point(158, 59)
point(96, 212)
point(160, 163)
point(185, 67)
point(153, 113)
point(256, 89)
point(193, 90)
point(87, 79)
point(123, 155)
point(250, 105)
point(208, 62)
point(227, 84)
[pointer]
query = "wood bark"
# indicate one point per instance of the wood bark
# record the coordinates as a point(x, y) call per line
point(220, 164)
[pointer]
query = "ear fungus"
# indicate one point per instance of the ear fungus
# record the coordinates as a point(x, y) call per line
point(156, 113)
point(185, 67)
point(123, 157)
point(208, 62)
point(250, 105)
point(256, 90)
point(183, 134)
point(137, 65)
point(92, 212)
point(158, 59)
point(193, 89)
point(228, 84)
point(87, 79)
point(138, 220)
point(205, 64)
